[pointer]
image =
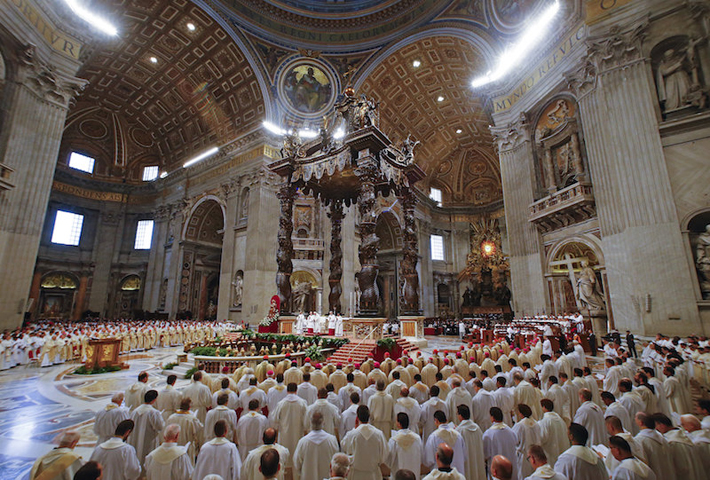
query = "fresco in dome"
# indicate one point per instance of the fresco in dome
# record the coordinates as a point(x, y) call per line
point(307, 88)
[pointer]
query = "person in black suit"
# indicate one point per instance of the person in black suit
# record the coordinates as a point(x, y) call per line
point(631, 342)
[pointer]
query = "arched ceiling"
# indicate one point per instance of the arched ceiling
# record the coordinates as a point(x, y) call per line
point(458, 163)
point(206, 223)
point(201, 90)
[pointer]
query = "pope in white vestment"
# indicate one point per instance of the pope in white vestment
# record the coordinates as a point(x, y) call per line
point(218, 456)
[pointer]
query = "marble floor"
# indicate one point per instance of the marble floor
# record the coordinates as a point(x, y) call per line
point(38, 403)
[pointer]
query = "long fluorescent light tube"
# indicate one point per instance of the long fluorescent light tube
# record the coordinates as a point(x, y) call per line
point(201, 156)
point(98, 22)
point(513, 55)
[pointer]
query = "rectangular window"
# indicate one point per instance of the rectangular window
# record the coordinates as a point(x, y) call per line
point(144, 235)
point(67, 228)
point(81, 162)
point(437, 247)
point(435, 194)
point(150, 173)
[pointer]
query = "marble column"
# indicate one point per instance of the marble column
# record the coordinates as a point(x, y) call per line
point(515, 150)
point(81, 296)
point(229, 192)
point(107, 240)
point(37, 100)
point(409, 300)
point(370, 243)
point(174, 256)
point(641, 239)
point(336, 257)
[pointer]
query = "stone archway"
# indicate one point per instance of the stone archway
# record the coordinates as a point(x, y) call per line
point(201, 251)
point(564, 262)
point(389, 232)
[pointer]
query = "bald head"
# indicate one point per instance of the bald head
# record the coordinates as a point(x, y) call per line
point(117, 398)
point(339, 465)
point(444, 455)
point(690, 423)
point(501, 468)
point(69, 439)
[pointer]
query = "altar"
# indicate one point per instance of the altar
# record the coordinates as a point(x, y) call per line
point(103, 352)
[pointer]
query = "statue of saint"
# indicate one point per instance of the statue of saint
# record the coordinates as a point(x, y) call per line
point(588, 289)
point(238, 286)
point(702, 261)
point(299, 294)
point(673, 80)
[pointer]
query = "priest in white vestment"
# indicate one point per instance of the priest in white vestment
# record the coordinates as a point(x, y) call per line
point(579, 462)
point(221, 413)
point(252, 392)
point(628, 467)
point(457, 396)
point(542, 470)
point(591, 417)
point(381, 408)
point(201, 396)
point(250, 466)
point(404, 447)
point(330, 413)
point(406, 404)
point(149, 424)
point(615, 428)
point(504, 399)
point(218, 456)
point(616, 409)
point(528, 434)
point(232, 397)
point(136, 392)
point(349, 416)
point(60, 463)
point(169, 460)
point(367, 446)
point(290, 419)
point(525, 393)
point(250, 429)
point(612, 377)
point(686, 464)
point(553, 430)
point(444, 469)
point(169, 398)
point(426, 420)
point(307, 391)
point(655, 447)
point(191, 429)
point(117, 458)
point(482, 402)
point(314, 451)
point(445, 433)
point(108, 418)
point(700, 437)
point(474, 459)
point(500, 440)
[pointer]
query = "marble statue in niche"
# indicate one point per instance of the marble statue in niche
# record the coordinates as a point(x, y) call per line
point(244, 211)
point(678, 76)
point(237, 290)
point(702, 261)
point(588, 289)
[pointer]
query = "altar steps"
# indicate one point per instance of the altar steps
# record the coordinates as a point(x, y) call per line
point(358, 350)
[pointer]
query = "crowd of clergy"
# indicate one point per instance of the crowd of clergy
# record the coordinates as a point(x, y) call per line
point(51, 343)
point(481, 412)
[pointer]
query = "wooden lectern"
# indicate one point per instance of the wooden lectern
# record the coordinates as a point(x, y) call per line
point(103, 352)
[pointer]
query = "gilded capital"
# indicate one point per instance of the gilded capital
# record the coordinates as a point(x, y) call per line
point(511, 135)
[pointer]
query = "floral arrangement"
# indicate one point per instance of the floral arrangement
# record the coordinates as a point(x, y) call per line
point(271, 317)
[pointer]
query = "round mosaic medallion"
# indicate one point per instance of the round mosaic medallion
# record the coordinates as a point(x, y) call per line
point(306, 87)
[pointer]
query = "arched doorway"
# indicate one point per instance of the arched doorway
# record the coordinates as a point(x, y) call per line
point(563, 267)
point(128, 296)
point(201, 260)
point(389, 255)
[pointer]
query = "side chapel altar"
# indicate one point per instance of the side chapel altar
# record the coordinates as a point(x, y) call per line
point(352, 169)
